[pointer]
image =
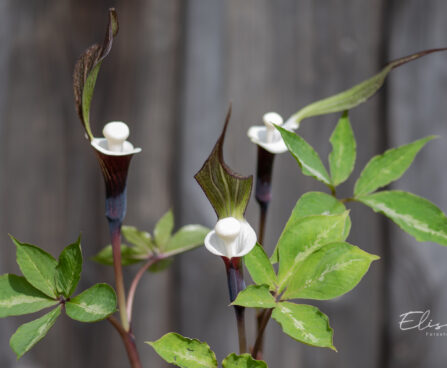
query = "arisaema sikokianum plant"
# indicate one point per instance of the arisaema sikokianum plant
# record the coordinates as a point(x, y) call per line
point(314, 259)
point(315, 262)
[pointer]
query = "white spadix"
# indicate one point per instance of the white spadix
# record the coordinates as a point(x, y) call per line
point(231, 238)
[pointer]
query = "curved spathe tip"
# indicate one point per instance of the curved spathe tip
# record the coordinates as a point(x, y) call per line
point(237, 245)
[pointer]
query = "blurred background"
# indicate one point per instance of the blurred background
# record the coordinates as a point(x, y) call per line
point(173, 70)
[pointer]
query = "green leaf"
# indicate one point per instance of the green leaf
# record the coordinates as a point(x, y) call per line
point(331, 271)
point(305, 323)
point(161, 265)
point(18, 296)
point(129, 256)
point(227, 191)
point(38, 267)
point(305, 155)
point(68, 269)
point(93, 304)
point(319, 203)
point(342, 157)
point(315, 203)
point(86, 72)
point(255, 296)
point(383, 169)
point(301, 238)
point(29, 334)
point(260, 268)
point(163, 229)
point(242, 361)
point(354, 96)
point(186, 238)
point(415, 215)
point(141, 240)
point(184, 352)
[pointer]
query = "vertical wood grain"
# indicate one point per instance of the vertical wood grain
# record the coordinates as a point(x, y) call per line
point(173, 70)
point(54, 188)
point(417, 109)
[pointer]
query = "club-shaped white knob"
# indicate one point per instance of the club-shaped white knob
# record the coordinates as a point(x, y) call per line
point(228, 229)
point(116, 133)
point(269, 119)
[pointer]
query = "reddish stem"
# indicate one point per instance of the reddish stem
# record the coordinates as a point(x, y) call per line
point(134, 285)
point(236, 284)
point(129, 342)
point(257, 348)
point(115, 233)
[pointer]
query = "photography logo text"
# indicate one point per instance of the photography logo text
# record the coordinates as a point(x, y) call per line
point(422, 321)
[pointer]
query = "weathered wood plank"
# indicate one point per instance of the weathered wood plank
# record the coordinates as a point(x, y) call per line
point(54, 188)
point(6, 32)
point(201, 302)
point(149, 94)
point(33, 145)
point(173, 70)
point(416, 108)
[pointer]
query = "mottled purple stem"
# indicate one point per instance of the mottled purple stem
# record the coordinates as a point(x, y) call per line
point(115, 234)
point(236, 284)
point(263, 192)
point(263, 196)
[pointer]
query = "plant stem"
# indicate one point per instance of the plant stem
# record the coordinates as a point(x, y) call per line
point(114, 170)
point(333, 193)
point(134, 285)
point(262, 218)
point(123, 328)
point(240, 318)
point(345, 200)
point(115, 234)
point(263, 196)
point(257, 348)
point(235, 277)
point(129, 343)
point(263, 192)
point(260, 314)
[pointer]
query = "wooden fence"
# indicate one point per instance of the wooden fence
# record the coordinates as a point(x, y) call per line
point(174, 68)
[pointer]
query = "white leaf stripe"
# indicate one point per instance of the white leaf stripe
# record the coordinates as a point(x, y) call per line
point(42, 330)
point(340, 155)
point(23, 300)
point(94, 309)
point(388, 167)
point(297, 323)
point(303, 154)
point(184, 352)
point(188, 356)
point(320, 240)
point(314, 172)
point(407, 218)
point(28, 334)
point(332, 268)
